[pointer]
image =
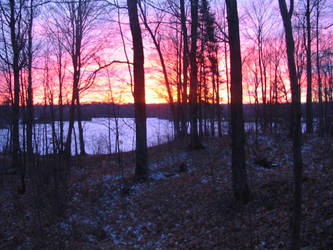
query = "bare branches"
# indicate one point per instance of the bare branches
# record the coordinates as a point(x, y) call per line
point(225, 37)
point(124, 49)
point(92, 76)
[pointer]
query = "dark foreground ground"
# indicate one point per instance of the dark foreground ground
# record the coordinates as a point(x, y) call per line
point(187, 202)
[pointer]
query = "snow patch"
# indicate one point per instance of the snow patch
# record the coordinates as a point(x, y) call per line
point(157, 176)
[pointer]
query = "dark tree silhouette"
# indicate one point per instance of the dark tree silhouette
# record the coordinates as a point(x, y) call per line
point(195, 140)
point(141, 170)
point(318, 64)
point(30, 107)
point(296, 122)
point(74, 21)
point(185, 67)
point(13, 24)
point(157, 45)
point(78, 16)
point(239, 175)
point(309, 114)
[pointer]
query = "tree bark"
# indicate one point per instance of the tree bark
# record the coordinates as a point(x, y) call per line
point(30, 107)
point(296, 124)
point(309, 114)
point(320, 91)
point(60, 101)
point(16, 49)
point(195, 140)
point(79, 123)
point(68, 143)
point(165, 74)
point(239, 175)
point(141, 170)
point(185, 67)
point(77, 23)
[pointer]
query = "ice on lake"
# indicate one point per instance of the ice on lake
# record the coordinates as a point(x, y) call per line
point(100, 135)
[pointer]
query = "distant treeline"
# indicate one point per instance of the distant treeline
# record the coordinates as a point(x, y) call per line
point(89, 111)
point(162, 111)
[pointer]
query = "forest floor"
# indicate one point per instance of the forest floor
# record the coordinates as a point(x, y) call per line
point(186, 203)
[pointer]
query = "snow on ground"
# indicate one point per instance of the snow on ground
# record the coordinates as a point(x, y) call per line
point(186, 201)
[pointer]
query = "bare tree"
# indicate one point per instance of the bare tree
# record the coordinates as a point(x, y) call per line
point(296, 123)
point(141, 170)
point(239, 175)
point(75, 21)
point(157, 43)
point(309, 113)
point(195, 140)
point(13, 16)
point(318, 65)
point(185, 66)
point(60, 65)
point(258, 16)
point(30, 107)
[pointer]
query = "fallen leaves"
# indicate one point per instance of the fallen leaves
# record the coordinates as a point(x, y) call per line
point(186, 203)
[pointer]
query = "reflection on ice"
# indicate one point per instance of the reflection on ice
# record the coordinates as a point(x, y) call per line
point(99, 134)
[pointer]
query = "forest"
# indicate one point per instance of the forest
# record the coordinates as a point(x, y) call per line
point(157, 124)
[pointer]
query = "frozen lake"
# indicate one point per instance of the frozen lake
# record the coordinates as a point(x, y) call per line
point(99, 134)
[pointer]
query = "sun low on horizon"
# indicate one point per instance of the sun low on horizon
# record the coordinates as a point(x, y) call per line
point(104, 44)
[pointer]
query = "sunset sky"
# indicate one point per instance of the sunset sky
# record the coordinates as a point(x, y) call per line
point(114, 81)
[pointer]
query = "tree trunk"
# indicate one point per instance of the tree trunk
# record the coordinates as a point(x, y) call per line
point(141, 170)
point(309, 114)
point(228, 115)
point(76, 61)
point(239, 175)
point(213, 106)
point(79, 122)
point(60, 101)
point(30, 107)
point(16, 104)
point(71, 124)
point(296, 124)
point(185, 66)
point(320, 93)
point(218, 108)
point(164, 70)
point(195, 140)
point(55, 141)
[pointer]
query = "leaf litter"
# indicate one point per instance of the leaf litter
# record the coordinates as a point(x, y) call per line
point(187, 201)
